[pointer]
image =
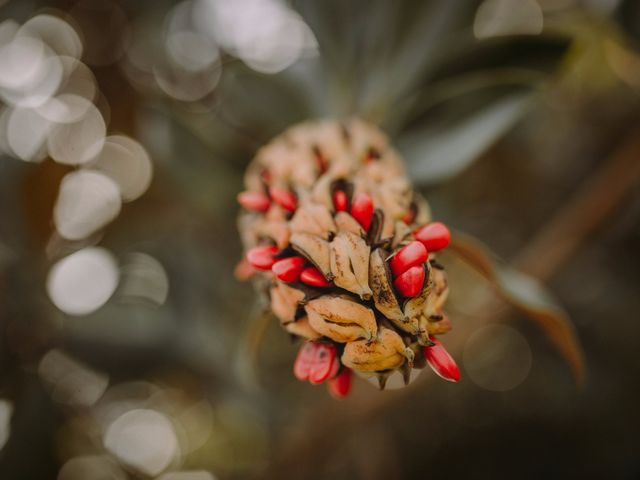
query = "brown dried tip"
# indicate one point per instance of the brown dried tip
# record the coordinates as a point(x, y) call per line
point(329, 236)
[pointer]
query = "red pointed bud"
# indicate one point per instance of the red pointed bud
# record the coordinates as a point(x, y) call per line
point(340, 201)
point(244, 270)
point(409, 217)
point(434, 236)
point(372, 154)
point(288, 269)
point(340, 386)
point(335, 368)
point(362, 209)
point(410, 283)
point(323, 362)
point(304, 361)
point(284, 198)
point(313, 277)
point(256, 201)
point(441, 362)
point(408, 256)
point(320, 159)
point(262, 257)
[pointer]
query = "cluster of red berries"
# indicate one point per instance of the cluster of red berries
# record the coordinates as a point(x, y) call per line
point(407, 265)
point(260, 202)
point(289, 269)
point(318, 361)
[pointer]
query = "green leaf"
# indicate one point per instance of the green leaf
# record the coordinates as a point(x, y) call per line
point(444, 149)
point(526, 295)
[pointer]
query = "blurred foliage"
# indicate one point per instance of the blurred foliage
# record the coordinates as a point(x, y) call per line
point(498, 132)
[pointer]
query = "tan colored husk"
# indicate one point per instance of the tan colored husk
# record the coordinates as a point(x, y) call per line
point(361, 308)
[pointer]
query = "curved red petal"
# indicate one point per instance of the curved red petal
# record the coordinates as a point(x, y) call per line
point(410, 283)
point(284, 198)
point(340, 386)
point(408, 256)
point(362, 209)
point(434, 236)
point(304, 360)
point(340, 201)
point(441, 361)
point(322, 364)
point(313, 277)
point(288, 269)
point(256, 201)
point(262, 257)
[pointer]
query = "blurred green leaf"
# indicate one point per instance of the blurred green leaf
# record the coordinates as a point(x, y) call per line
point(526, 295)
point(443, 149)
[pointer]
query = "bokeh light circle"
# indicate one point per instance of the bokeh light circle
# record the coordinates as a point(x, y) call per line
point(127, 163)
point(87, 201)
point(142, 439)
point(79, 141)
point(497, 358)
point(82, 282)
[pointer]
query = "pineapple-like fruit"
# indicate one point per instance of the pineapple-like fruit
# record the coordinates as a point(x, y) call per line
point(344, 248)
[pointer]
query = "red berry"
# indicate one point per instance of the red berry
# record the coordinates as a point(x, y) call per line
point(339, 386)
point(408, 256)
point(284, 198)
point(320, 159)
point(409, 284)
point(340, 201)
point(288, 269)
point(244, 270)
point(304, 360)
point(409, 217)
point(362, 209)
point(435, 236)
point(312, 276)
point(256, 201)
point(441, 362)
point(322, 365)
point(262, 257)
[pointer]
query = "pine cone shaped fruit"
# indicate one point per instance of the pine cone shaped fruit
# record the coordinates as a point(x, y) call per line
point(344, 249)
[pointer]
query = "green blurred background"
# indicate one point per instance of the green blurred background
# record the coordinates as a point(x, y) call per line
point(129, 350)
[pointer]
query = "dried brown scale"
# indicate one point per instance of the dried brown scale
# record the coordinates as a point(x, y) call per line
point(376, 329)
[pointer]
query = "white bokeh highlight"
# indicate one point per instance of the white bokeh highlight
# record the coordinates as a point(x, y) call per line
point(91, 467)
point(143, 439)
point(82, 282)
point(87, 201)
point(77, 142)
point(69, 381)
point(497, 358)
point(127, 163)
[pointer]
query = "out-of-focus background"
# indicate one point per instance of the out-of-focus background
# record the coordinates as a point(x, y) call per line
point(129, 351)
